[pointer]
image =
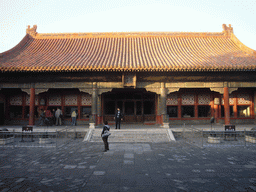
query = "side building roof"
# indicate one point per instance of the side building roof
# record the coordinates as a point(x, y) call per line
point(128, 51)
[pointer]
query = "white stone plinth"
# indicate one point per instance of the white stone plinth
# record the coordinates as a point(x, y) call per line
point(91, 125)
point(44, 140)
point(166, 125)
point(250, 139)
point(5, 141)
point(213, 139)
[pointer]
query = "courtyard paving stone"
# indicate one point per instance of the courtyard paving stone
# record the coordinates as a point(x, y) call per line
point(172, 166)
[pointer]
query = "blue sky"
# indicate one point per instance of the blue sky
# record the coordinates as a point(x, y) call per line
point(62, 16)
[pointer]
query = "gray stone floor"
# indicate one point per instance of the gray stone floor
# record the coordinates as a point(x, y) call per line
point(205, 127)
point(172, 166)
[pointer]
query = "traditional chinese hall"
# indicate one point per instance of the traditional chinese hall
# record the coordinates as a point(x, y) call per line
point(153, 77)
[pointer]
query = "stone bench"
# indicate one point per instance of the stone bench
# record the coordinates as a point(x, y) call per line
point(6, 137)
point(44, 140)
point(4, 141)
point(250, 139)
point(213, 139)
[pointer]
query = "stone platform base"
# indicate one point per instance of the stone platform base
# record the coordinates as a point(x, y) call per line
point(213, 139)
point(44, 140)
point(250, 139)
point(132, 135)
point(5, 141)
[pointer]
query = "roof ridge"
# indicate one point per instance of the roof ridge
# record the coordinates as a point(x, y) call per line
point(127, 34)
point(227, 31)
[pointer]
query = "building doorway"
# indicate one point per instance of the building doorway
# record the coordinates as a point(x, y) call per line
point(137, 105)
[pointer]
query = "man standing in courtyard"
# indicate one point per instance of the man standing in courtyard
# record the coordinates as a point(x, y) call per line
point(42, 117)
point(58, 115)
point(118, 118)
point(73, 116)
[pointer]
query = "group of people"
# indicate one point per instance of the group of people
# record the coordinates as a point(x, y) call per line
point(48, 117)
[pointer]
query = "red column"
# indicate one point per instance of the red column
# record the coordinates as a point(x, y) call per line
point(216, 113)
point(94, 102)
point(179, 106)
point(226, 106)
point(216, 106)
point(196, 106)
point(79, 99)
point(32, 107)
point(252, 108)
point(102, 109)
point(235, 107)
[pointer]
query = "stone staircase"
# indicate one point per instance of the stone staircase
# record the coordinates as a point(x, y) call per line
point(132, 135)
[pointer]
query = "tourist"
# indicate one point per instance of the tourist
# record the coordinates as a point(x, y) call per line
point(58, 115)
point(53, 117)
point(73, 116)
point(49, 117)
point(41, 117)
point(118, 117)
point(105, 134)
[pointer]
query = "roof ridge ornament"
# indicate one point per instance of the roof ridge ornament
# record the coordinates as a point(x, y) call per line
point(32, 31)
point(227, 30)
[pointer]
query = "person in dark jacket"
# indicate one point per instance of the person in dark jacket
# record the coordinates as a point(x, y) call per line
point(105, 139)
point(42, 117)
point(118, 118)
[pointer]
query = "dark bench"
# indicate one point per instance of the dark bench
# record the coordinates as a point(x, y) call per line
point(28, 131)
point(214, 133)
point(27, 128)
point(4, 133)
point(230, 132)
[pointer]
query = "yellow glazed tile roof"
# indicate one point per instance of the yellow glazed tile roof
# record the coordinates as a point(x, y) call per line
point(136, 51)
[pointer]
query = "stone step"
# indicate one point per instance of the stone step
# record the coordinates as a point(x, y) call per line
point(132, 135)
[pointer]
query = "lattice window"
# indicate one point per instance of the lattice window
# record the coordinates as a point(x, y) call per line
point(172, 99)
point(243, 98)
point(204, 99)
point(28, 100)
point(55, 100)
point(37, 100)
point(71, 100)
point(188, 99)
point(86, 99)
point(16, 100)
point(231, 99)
